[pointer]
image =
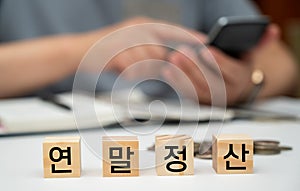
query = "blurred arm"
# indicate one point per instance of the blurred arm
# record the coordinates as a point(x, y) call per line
point(31, 64)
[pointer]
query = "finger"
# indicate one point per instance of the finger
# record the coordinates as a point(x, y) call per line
point(120, 62)
point(136, 61)
point(156, 52)
point(185, 59)
point(272, 33)
point(192, 71)
point(176, 80)
point(231, 68)
point(236, 73)
point(200, 70)
point(183, 85)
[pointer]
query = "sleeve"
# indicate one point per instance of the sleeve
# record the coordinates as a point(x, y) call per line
point(214, 9)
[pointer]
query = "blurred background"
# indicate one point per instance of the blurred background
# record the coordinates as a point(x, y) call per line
point(286, 13)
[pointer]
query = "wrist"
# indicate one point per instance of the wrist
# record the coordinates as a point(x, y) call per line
point(257, 83)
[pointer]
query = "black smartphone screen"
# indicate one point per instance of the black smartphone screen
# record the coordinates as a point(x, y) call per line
point(236, 36)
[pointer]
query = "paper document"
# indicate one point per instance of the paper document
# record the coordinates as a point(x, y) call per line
point(35, 115)
point(23, 115)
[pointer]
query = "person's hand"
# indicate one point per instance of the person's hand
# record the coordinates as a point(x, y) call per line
point(140, 39)
point(205, 74)
point(129, 41)
point(236, 73)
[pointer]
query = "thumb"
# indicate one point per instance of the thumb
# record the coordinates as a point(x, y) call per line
point(271, 34)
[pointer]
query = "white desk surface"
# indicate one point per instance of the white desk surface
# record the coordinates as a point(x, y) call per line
point(21, 164)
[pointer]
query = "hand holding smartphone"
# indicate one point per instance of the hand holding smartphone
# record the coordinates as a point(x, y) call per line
point(236, 35)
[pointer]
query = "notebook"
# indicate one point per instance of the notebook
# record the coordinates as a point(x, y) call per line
point(23, 115)
point(29, 115)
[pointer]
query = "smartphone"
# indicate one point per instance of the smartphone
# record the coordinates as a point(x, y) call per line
point(236, 35)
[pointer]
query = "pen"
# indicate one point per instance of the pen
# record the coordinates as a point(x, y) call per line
point(52, 98)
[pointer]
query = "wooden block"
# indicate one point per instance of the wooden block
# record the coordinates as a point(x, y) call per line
point(174, 155)
point(120, 156)
point(232, 154)
point(61, 157)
